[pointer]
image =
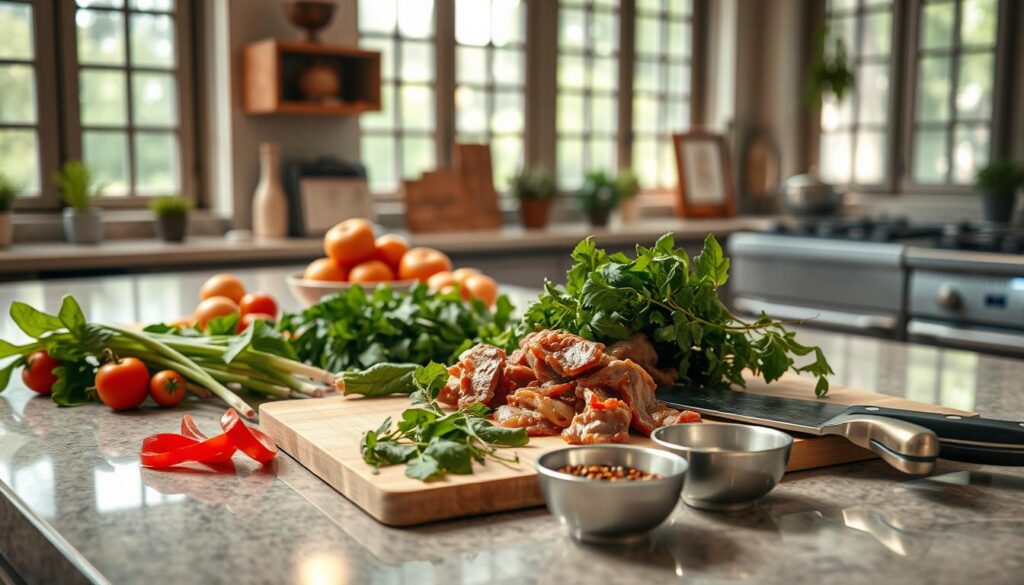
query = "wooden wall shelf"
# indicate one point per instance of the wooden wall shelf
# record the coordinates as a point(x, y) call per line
point(271, 70)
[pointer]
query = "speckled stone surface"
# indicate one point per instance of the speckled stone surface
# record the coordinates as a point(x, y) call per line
point(75, 473)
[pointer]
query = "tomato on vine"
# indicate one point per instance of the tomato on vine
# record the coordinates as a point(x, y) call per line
point(122, 384)
point(38, 372)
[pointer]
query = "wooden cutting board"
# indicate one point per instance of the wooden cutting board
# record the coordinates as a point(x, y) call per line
point(323, 435)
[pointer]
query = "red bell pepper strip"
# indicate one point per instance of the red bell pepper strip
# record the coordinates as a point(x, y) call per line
point(252, 442)
point(168, 449)
point(191, 430)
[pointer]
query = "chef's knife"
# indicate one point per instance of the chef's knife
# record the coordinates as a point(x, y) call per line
point(969, 439)
point(906, 446)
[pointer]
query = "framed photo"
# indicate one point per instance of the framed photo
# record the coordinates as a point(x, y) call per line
point(322, 193)
point(705, 176)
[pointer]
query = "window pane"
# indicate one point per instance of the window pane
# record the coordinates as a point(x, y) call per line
point(508, 112)
point(648, 5)
point(101, 3)
point(971, 147)
point(471, 65)
point(417, 61)
point(836, 156)
point(605, 33)
point(416, 18)
point(680, 7)
point(937, 25)
point(154, 5)
point(100, 37)
point(17, 94)
point(974, 96)
point(646, 76)
point(933, 89)
point(679, 39)
point(835, 115)
point(103, 100)
point(417, 156)
point(473, 22)
point(570, 163)
point(156, 163)
point(873, 94)
point(508, 22)
point(930, 161)
point(570, 71)
point(19, 158)
point(570, 112)
point(507, 153)
point(667, 175)
point(417, 108)
point(387, 54)
point(155, 100)
point(678, 114)
point(508, 67)
point(471, 110)
point(679, 79)
point(604, 72)
point(841, 4)
point(571, 28)
point(645, 161)
point(648, 35)
point(877, 34)
point(377, 16)
point(645, 114)
point(870, 163)
point(978, 21)
point(603, 114)
point(378, 154)
point(602, 155)
point(106, 153)
point(841, 29)
point(16, 31)
point(152, 40)
point(385, 118)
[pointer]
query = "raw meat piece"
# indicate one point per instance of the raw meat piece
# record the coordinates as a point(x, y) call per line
point(517, 417)
point(559, 356)
point(513, 378)
point(475, 377)
point(634, 385)
point(605, 419)
point(639, 349)
point(542, 402)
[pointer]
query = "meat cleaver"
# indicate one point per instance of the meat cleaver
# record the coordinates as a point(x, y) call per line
point(908, 440)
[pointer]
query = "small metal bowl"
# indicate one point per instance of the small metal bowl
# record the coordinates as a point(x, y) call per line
point(731, 465)
point(605, 511)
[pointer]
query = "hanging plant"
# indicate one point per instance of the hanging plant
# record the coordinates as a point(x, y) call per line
point(828, 74)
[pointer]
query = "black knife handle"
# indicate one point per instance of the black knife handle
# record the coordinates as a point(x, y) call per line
point(980, 432)
point(981, 455)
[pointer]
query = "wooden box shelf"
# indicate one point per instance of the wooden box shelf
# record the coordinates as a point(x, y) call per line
point(271, 71)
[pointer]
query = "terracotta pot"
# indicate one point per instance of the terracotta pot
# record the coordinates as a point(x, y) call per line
point(172, 228)
point(630, 210)
point(599, 216)
point(535, 213)
point(6, 229)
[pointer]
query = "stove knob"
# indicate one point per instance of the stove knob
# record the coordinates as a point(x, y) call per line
point(948, 297)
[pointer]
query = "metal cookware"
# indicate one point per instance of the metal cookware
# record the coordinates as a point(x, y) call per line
point(808, 194)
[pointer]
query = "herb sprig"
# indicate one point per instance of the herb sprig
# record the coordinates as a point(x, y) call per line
point(432, 442)
point(661, 293)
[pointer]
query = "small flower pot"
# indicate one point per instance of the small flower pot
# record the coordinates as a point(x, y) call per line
point(6, 229)
point(599, 216)
point(630, 210)
point(171, 228)
point(999, 205)
point(83, 226)
point(534, 213)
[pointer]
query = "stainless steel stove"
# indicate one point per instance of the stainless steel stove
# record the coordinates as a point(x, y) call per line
point(957, 284)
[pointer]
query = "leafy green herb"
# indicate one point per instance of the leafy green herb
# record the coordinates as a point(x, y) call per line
point(432, 442)
point(610, 297)
point(382, 379)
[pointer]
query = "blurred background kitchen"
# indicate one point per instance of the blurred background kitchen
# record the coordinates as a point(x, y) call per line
point(862, 158)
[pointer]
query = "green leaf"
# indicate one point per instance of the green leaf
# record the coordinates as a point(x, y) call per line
point(8, 349)
point(431, 378)
point(498, 435)
point(380, 380)
point(71, 315)
point(34, 323)
point(821, 388)
point(393, 452)
point(711, 264)
point(424, 468)
point(453, 457)
point(73, 381)
point(5, 372)
point(237, 345)
point(267, 339)
point(223, 325)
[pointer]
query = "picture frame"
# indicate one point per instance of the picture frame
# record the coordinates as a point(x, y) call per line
point(705, 187)
point(324, 192)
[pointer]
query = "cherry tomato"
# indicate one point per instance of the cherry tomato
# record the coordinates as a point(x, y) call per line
point(123, 384)
point(250, 318)
point(38, 372)
point(258, 303)
point(167, 388)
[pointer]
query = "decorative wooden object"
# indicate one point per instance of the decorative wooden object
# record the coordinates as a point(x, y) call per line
point(324, 436)
point(705, 175)
point(272, 69)
point(456, 199)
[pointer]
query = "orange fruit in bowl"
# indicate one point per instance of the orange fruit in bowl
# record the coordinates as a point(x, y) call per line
point(482, 287)
point(371, 271)
point(442, 281)
point(222, 285)
point(213, 307)
point(422, 263)
point(325, 269)
point(350, 242)
point(390, 249)
point(461, 274)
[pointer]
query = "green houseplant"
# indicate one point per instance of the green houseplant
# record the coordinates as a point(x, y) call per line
point(83, 224)
point(8, 193)
point(828, 73)
point(171, 217)
point(535, 190)
point(599, 196)
point(998, 182)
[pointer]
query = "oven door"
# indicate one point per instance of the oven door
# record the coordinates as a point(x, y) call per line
point(982, 339)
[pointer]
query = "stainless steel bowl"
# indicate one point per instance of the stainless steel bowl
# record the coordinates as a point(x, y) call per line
point(731, 465)
point(809, 195)
point(605, 511)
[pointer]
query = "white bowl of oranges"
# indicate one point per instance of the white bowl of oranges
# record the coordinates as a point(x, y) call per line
point(355, 257)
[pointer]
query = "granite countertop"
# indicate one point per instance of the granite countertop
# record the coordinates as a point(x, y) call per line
point(75, 505)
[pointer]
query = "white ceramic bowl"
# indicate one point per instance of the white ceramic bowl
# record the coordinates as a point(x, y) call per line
point(309, 292)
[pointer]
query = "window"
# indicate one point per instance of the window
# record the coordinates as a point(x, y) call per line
point(661, 88)
point(398, 142)
point(490, 78)
point(954, 86)
point(19, 114)
point(856, 133)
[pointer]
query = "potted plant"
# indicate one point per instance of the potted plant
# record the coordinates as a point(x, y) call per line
point(171, 217)
point(998, 183)
point(535, 190)
point(599, 196)
point(83, 224)
point(8, 193)
point(629, 187)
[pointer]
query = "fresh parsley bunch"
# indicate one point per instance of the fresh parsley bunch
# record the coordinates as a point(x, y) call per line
point(674, 301)
point(432, 442)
